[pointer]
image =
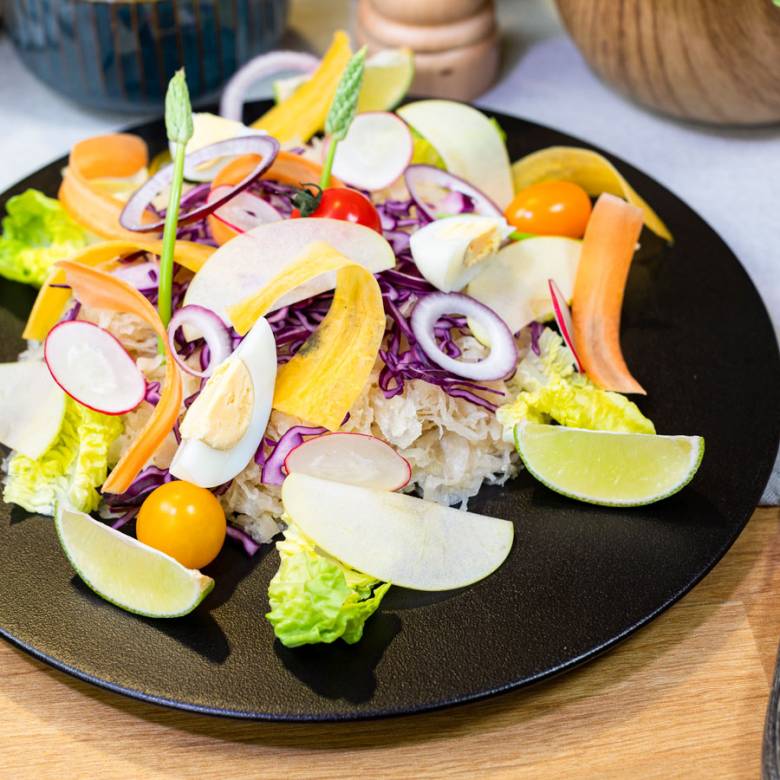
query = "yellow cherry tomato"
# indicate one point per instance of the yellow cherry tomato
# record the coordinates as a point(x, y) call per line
point(185, 521)
point(550, 208)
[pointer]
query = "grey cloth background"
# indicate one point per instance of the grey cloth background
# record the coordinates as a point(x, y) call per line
point(730, 176)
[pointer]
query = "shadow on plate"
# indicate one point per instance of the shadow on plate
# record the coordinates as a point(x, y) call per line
point(197, 631)
point(339, 670)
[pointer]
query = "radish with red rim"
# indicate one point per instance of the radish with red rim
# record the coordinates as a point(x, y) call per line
point(353, 458)
point(264, 146)
point(243, 211)
point(376, 151)
point(93, 368)
point(564, 322)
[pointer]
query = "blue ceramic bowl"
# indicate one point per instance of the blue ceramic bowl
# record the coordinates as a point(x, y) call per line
point(120, 54)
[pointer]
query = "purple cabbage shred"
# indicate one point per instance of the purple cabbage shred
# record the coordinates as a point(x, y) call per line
point(536, 331)
point(272, 463)
point(250, 545)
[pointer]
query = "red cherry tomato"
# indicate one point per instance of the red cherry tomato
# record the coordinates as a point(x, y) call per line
point(348, 205)
point(550, 208)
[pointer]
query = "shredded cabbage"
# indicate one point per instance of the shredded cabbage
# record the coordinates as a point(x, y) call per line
point(71, 469)
point(37, 232)
point(314, 598)
point(550, 389)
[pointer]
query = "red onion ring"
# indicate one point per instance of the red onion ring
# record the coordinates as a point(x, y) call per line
point(211, 328)
point(243, 211)
point(231, 105)
point(418, 176)
point(499, 364)
point(263, 145)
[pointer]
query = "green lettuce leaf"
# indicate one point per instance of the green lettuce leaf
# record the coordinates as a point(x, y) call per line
point(71, 469)
point(550, 389)
point(314, 598)
point(37, 232)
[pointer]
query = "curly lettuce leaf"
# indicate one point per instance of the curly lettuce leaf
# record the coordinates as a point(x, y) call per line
point(37, 232)
point(72, 469)
point(550, 389)
point(314, 598)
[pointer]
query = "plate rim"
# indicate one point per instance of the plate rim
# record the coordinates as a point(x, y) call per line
point(463, 699)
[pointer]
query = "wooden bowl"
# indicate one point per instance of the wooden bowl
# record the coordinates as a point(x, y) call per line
point(708, 60)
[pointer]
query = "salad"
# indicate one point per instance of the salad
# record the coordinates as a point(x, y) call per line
point(326, 330)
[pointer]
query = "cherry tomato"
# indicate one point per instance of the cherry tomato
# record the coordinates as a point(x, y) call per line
point(183, 520)
point(550, 208)
point(348, 205)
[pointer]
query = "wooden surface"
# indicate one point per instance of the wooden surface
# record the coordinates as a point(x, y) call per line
point(685, 697)
point(711, 60)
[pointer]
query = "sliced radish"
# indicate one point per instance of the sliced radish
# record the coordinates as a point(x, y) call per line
point(377, 150)
point(244, 211)
point(563, 319)
point(93, 368)
point(352, 458)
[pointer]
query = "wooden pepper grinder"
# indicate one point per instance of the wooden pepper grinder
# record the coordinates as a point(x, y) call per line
point(455, 42)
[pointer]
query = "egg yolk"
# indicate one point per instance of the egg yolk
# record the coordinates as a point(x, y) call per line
point(184, 521)
point(221, 413)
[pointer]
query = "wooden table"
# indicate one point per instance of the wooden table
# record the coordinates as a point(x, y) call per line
point(683, 698)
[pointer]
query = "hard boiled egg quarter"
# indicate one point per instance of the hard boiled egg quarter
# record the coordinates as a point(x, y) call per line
point(223, 428)
point(452, 251)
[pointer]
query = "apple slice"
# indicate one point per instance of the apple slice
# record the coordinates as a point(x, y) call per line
point(248, 262)
point(32, 407)
point(354, 458)
point(397, 538)
point(468, 142)
point(93, 368)
point(514, 282)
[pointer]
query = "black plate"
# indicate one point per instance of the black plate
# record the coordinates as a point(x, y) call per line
point(578, 580)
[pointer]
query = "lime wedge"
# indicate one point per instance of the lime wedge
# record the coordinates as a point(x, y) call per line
point(386, 79)
point(607, 468)
point(127, 573)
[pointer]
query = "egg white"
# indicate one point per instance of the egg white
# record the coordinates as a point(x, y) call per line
point(439, 249)
point(197, 462)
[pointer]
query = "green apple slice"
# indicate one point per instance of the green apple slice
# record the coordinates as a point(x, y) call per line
point(397, 538)
point(467, 141)
point(249, 261)
point(515, 282)
point(32, 407)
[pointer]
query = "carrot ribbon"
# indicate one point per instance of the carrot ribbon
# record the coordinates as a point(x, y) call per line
point(101, 290)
